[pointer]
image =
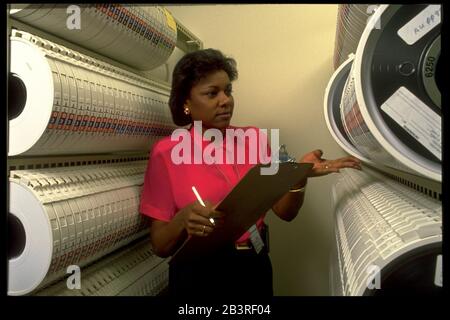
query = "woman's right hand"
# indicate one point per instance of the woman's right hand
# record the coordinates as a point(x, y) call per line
point(196, 219)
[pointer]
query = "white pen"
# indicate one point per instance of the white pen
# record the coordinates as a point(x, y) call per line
point(202, 203)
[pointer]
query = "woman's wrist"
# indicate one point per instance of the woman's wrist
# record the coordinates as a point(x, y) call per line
point(180, 220)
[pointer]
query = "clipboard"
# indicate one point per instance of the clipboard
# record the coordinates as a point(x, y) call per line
point(252, 197)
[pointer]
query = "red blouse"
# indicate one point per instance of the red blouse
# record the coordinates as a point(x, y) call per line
point(168, 186)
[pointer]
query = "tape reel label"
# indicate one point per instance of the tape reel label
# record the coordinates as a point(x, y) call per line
point(170, 20)
point(416, 118)
point(421, 24)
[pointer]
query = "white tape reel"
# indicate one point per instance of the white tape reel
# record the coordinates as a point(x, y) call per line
point(75, 104)
point(143, 38)
point(66, 216)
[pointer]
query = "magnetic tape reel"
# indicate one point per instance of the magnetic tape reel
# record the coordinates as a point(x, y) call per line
point(72, 103)
point(79, 215)
point(332, 101)
point(138, 37)
point(397, 91)
point(386, 231)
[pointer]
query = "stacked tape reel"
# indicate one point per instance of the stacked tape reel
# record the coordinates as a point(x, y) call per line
point(332, 102)
point(351, 21)
point(138, 37)
point(389, 237)
point(66, 102)
point(382, 105)
point(70, 216)
point(132, 271)
point(390, 104)
point(165, 71)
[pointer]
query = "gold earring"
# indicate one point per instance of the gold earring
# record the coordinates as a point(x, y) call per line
point(186, 111)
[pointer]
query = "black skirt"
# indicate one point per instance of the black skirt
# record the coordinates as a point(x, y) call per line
point(227, 272)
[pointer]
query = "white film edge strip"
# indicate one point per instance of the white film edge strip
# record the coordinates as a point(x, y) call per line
point(71, 216)
point(143, 38)
point(77, 104)
point(132, 271)
point(377, 221)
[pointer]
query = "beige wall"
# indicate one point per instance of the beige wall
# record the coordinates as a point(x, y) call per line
point(284, 55)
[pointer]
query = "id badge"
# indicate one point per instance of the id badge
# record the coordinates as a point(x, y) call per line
point(256, 239)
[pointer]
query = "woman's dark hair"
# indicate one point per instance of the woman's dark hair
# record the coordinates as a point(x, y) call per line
point(189, 70)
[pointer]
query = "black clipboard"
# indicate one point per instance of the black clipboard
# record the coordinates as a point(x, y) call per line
point(253, 196)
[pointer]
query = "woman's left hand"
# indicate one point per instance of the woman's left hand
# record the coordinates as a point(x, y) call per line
point(323, 166)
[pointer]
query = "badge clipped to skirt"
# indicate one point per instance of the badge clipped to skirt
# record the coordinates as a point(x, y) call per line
point(257, 242)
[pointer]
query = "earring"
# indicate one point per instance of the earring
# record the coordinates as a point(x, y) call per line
point(186, 111)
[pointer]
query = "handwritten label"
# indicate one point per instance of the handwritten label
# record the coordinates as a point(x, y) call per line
point(421, 24)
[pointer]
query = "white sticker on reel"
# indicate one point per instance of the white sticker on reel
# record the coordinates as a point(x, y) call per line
point(416, 118)
point(421, 24)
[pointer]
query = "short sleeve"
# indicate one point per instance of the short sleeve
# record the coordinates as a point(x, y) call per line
point(157, 199)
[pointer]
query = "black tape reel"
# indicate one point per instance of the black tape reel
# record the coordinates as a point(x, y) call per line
point(389, 62)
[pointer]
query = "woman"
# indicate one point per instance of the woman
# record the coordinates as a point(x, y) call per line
point(202, 91)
